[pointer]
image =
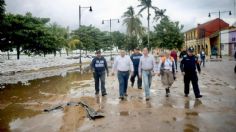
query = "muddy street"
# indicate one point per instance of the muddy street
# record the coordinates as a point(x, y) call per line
point(22, 104)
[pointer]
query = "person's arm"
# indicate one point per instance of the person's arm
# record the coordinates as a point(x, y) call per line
point(92, 65)
point(140, 66)
point(182, 65)
point(131, 64)
point(173, 65)
point(198, 66)
point(106, 67)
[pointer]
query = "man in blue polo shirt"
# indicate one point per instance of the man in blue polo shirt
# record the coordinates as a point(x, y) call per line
point(99, 65)
point(135, 57)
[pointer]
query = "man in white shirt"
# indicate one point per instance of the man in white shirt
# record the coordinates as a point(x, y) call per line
point(146, 69)
point(123, 65)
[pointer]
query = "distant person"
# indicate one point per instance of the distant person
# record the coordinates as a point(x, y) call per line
point(188, 68)
point(182, 54)
point(146, 70)
point(135, 57)
point(99, 66)
point(235, 59)
point(203, 57)
point(174, 55)
point(166, 69)
point(123, 65)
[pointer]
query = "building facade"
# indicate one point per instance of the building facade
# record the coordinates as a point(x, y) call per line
point(205, 37)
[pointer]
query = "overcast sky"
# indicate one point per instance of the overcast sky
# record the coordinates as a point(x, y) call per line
point(65, 12)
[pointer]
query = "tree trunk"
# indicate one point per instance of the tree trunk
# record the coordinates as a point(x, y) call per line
point(55, 53)
point(18, 52)
point(60, 53)
point(67, 54)
point(148, 18)
point(8, 56)
point(44, 54)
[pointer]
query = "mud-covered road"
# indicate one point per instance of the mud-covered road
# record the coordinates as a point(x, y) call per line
point(22, 105)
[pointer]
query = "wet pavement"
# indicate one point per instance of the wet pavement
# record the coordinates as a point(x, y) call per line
point(22, 104)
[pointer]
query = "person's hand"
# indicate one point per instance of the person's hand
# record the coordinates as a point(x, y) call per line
point(158, 74)
point(153, 74)
point(140, 76)
point(183, 73)
point(112, 73)
point(132, 73)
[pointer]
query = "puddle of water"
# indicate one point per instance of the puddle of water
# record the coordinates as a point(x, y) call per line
point(113, 101)
point(124, 113)
point(191, 113)
point(37, 90)
point(190, 128)
point(42, 122)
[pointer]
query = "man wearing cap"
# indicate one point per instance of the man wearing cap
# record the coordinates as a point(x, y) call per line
point(188, 68)
point(135, 57)
point(99, 65)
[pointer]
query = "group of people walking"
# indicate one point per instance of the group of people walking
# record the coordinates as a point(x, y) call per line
point(144, 66)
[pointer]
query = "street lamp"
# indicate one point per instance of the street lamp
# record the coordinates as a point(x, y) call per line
point(90, 9)
point(110, 20)
point(219, 13)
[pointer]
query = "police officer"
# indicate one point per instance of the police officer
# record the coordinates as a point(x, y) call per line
point(98, 66)
point(188, 68)
point(135, 57)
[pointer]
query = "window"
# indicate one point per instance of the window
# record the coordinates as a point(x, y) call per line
point(233, 39)
point(222, 46)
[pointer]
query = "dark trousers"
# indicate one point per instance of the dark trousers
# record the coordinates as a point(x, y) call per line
point(132, 79)
point(194, 79)
point(123, 78)
point(99, 77)
point(176, 64)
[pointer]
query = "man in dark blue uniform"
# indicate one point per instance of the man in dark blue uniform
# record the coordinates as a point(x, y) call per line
point(135, 59)
point(188, 68)
point(99, 65)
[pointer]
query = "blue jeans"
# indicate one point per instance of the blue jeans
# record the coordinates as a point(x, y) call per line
point(147, 80)
point(123, 78)
point(203, 61)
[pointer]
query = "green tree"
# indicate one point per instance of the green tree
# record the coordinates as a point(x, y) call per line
point(159, 13)
point(2, 9)
point(133, 23)
point(118, 39)
point(168, 34)
point(61, 36)
point(92, 38)
point(147, 4)
point(27, 34)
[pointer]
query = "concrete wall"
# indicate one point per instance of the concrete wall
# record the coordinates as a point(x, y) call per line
point(225, 42)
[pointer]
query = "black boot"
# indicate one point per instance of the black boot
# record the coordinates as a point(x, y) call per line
point(167, 92)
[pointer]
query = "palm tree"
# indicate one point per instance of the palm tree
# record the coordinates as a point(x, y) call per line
point(133, 23)
point(159, 13)
point(147, 4)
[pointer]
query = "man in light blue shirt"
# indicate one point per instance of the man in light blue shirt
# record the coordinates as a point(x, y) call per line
point(146, 69)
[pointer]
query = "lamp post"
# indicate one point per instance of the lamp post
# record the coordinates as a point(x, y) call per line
point(90, 9)
point(219, 13)
point(110, 20)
